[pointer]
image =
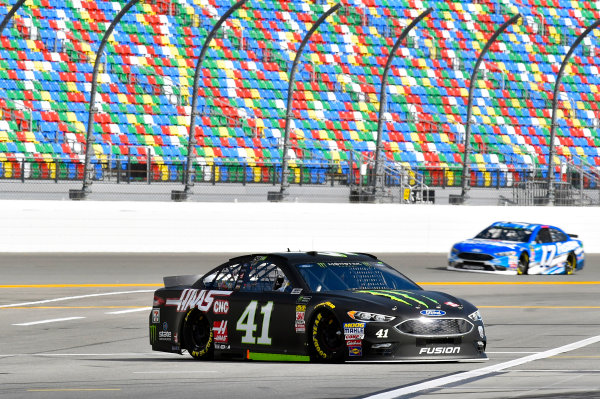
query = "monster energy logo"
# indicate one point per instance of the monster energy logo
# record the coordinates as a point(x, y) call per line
point(152, 334)
point(322, 264)
point(402, 297)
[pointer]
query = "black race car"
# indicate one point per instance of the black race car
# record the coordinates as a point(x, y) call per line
point(320, 306)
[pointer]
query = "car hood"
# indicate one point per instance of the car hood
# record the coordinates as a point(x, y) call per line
point(486, 246)
point(428, 303)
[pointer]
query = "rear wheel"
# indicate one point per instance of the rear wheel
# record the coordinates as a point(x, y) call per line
point(326, 338)
point(523, 266)
point(571, 264)
point(198, 335)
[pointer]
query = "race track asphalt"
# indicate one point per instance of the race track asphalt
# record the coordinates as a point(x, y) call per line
point(75, 325)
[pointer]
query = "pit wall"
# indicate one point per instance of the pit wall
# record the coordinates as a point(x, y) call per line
point(91, 226)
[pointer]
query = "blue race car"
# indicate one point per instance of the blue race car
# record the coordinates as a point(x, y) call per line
point(518, 248)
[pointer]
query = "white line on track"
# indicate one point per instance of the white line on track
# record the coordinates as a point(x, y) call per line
point(396, 393)
point(130, 310)
point(67, 298)
point(174, 372)
point(31, 323)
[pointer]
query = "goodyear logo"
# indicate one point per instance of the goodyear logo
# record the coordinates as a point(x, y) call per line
point(325, 304)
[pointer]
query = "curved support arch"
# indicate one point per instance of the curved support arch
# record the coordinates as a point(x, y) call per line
point(292, 79)
point(465, 172)
point(379, 181)
point(188, 177)
point(550, 177)
point(10, 14)
point(89, 140)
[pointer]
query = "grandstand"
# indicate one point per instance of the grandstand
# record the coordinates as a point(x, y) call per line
point(48, 50)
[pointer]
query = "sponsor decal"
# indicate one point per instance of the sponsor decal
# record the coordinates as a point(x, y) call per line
point(566, 246)
point(165, 334)
point(355, 350)
point(452, 304)
point(300, 327)
point(349, 337)
point(440, 350)
point(192, 298)
point(354, 342)
point(296, 291)
point(222, 346)
point(354, 330)
point(221, 306)
point(354, 325)
point(153, 334)
point(220, 331)
point(175, 348)
point(325, 304)
point(155, 316)
point(432, 312)
point(175, 338)
point(303, 300)
point(300, 323)
point(300, 308)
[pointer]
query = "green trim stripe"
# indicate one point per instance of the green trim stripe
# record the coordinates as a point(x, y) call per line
point(426, 297)
point(277, 357)
point(398, 296)
point(392, 297)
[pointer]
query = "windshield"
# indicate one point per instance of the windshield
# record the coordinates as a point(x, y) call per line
point(505, 234)
point(330, 276)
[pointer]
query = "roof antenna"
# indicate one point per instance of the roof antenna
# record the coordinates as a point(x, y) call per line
point(288, 250)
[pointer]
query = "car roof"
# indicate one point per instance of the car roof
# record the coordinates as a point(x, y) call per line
point(520, 225)
point(318, 256)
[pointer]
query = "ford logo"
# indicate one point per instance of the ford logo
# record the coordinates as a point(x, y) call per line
point(432, 312)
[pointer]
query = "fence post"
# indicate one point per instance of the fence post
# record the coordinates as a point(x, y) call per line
point(128, 169)
point(148, 165)
point(118, 170)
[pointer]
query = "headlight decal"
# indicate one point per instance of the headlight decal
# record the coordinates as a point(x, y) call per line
point(368, 316)
point(475, 316)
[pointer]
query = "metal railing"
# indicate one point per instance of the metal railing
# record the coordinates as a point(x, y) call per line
point(577, 183)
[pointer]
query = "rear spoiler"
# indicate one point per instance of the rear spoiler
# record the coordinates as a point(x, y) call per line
point(174, 281)
point(573, 235)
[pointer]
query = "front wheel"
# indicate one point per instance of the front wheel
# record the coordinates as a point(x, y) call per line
point(198, 335)
point(523, 266)
point(326, 339)
point(571, 264)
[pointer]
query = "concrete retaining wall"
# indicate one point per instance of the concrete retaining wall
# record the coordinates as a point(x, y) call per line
point(94, 226)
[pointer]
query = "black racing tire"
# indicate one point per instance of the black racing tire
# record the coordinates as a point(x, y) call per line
point(326, 337)
point(523, 266)
point(198, 335)
point(571, 264)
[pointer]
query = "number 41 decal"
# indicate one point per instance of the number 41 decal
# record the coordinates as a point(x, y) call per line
point(382, 333)
point(247, 323)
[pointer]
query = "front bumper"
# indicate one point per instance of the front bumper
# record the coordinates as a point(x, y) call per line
point(402, 347)
point(484, 263)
